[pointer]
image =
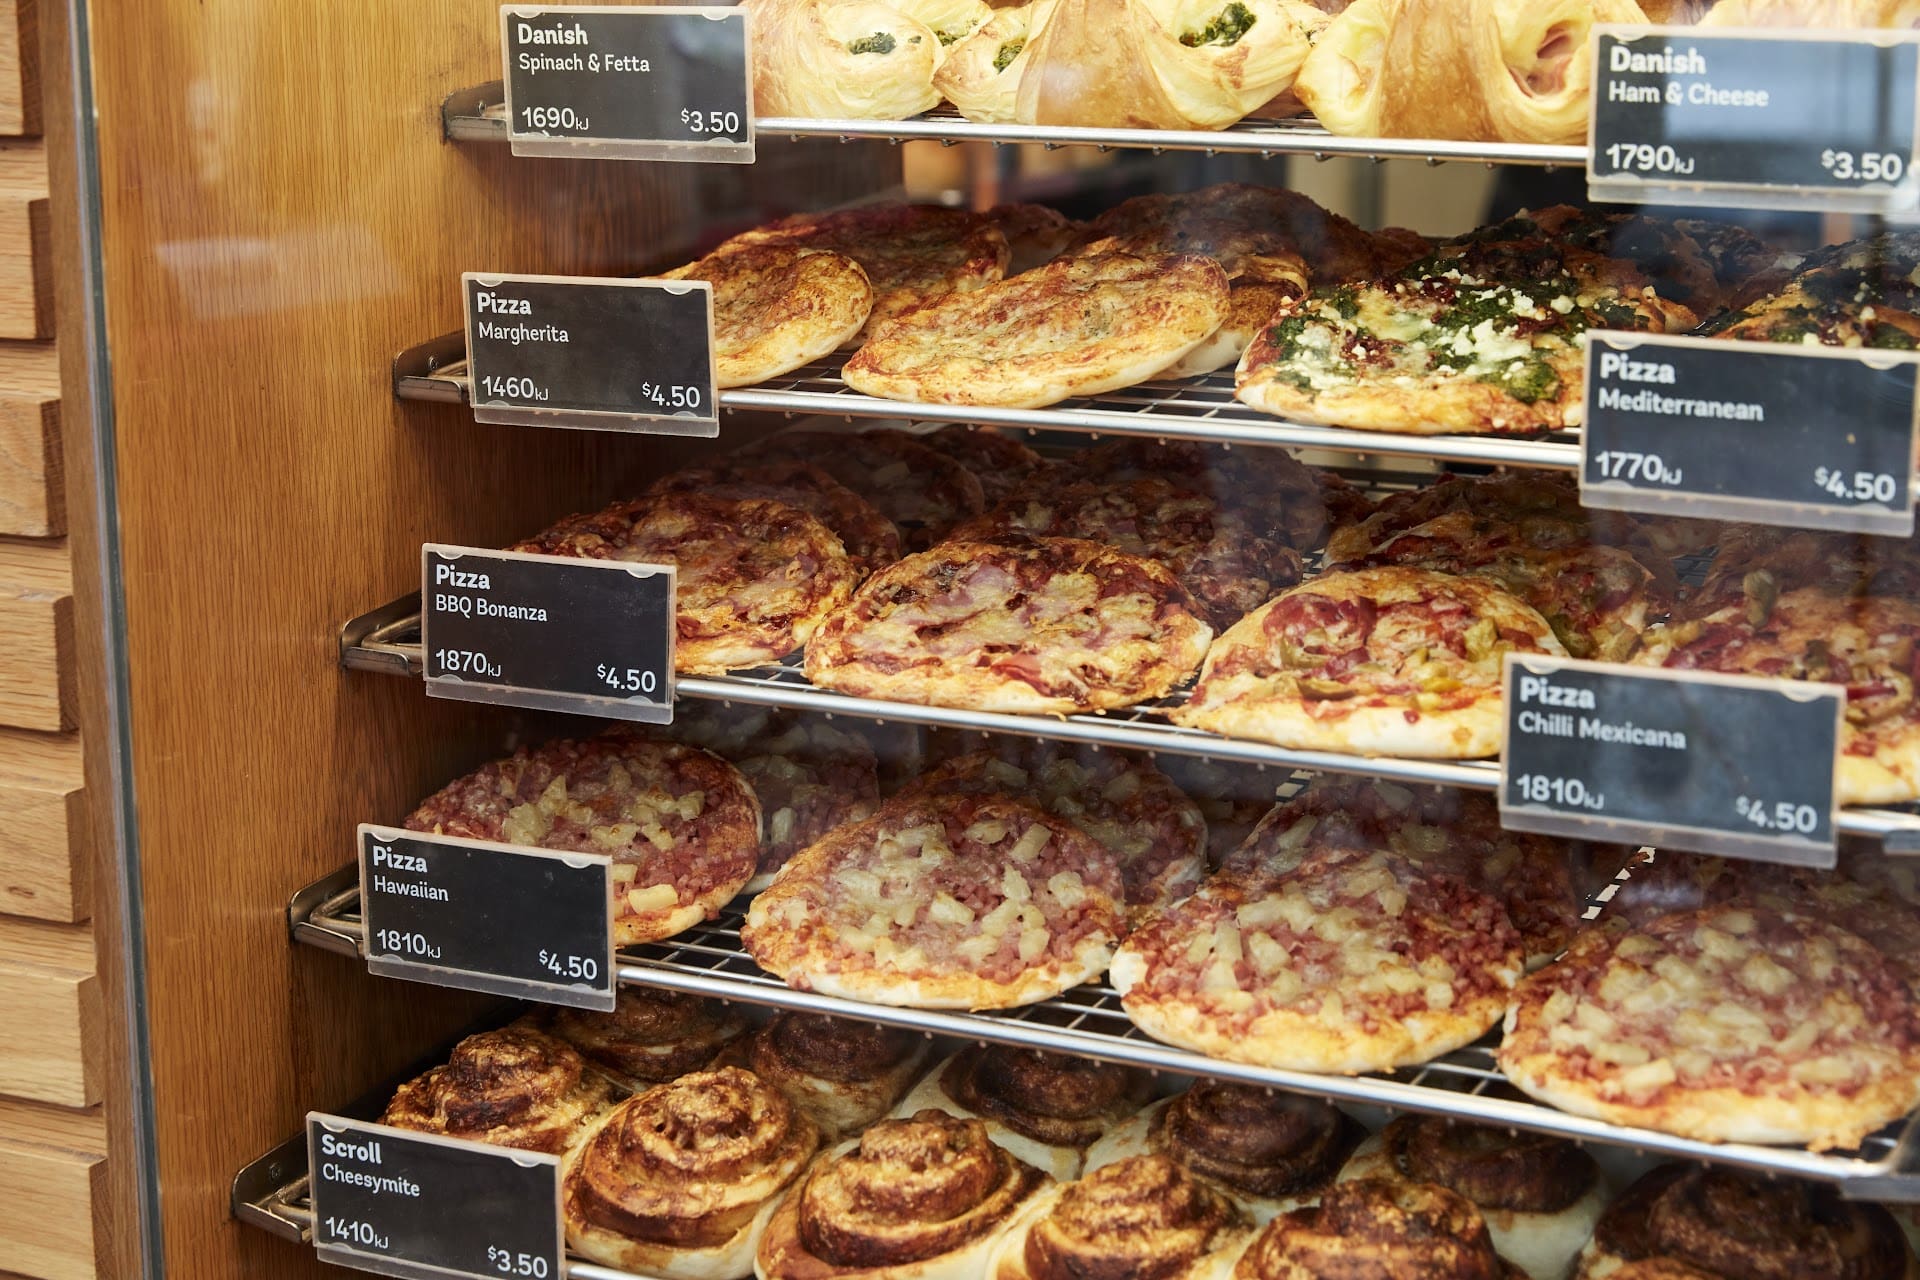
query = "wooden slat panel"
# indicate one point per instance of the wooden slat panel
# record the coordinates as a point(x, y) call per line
point(19, 67)
point(32, 487)
point(50, 1182)
point(44, 867)
point(50, 1006)
point(26, 276)
point(36, 634)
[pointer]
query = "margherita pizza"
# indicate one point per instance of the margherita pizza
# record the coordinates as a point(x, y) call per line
point(1356, 961)
point(913, 254)
point(945, 902)
point(1149, 825)
point(1400, 662)
point(681, 824)
point(1075, 327)
point(755, 576)
point(872, 541)
point(777, 307)
point(1731, 1024)
point(923, 490)
point(1230, 569)
point(1055, 625)
point(1866, 645)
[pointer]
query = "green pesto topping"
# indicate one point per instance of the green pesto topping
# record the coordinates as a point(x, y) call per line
point(1888, 338)
point(878, 42)
point(1008, 52)
point(1234, 21)
point(1615, 314)
point(1470, 309)
point(951, 37)
point(1345, 301)
point(1527, 381)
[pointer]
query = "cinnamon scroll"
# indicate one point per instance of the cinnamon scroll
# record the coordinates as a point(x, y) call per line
point(1144, 1217)
point(680, 1181)
point(1540, 1196)
point(651, 1036)
point(1732, 1224)
point(841, 1073)
point(1267, 1152)
point(1370, 1229)
point(925, 1198)
point(515, 1087)
point(1046, 1108)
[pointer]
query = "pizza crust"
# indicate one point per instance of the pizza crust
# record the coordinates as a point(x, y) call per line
point(777, 307)
point(1075, 327)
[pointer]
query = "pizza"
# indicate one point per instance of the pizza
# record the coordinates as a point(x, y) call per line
point(1268, 488)
point(1867, 645)
point(1055, 625)
point(945, 902)
point(1233, 797)
point(1598, 599)
point(1755, 563)
point(871, 540)
point(1251, 305)
point(1729, 1024)
point(1036, 234)
point(1677, 264)
point(1858, 294)
point(1230, 569)
point(809, 774)
point(1001, 463)
point(1402, 662)
point(1355, 961)
point(777, 307)
point(681, 825)
point(1482, 338)
point(1157, 835)
point(1542, 882)
point(753, 577)
point(923, 490)
point(913, 254)
point(1075, 327)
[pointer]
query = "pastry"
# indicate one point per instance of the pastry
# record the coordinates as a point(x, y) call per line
point(981, 76)
point(1540, 1196)
point(1728, 1024)
point(777, 307)
point(515, 1087)
point(1894, 14)
point(1373, 1230)
point(947, 902)
point(653, 1035)
point(681, 825)
point(926, 1198)
point(843, 1074)
point(754, 577)
point(1046, 1108)
point(1078, 326)
point(1733, 1226)
point(1055, 625)
point(1402, 662)
point(852, 60)
point(680, 1181)
point(1267, 1152)
point(1144, 1216)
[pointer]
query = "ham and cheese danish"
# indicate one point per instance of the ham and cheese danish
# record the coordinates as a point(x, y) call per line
point(680, 1181)
point(1046, 1108)
point(515, 1087)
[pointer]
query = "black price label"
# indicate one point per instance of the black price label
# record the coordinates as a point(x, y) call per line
point(418, 1205)
point(551, 633)
point(1808, 437)
point(1757, 120)
point(584, 352)
point(627, 82)
point(513, 921)
point(1687, 759)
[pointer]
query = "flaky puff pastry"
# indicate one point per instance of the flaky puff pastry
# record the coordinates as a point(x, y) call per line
point(1144, 1216)
point(981, 74)
point(680, 1181)
point(1162, 64)
point(1814, 13)
point(855, 60)
point(515, 1087)
point(843, 1073)
point(1342, 81)
point(926, 1198)
point(1374, 1230)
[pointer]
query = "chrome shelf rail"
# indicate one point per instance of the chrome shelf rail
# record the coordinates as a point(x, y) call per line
point(709, 960)
point(387, 640)
point(479, 114)
point(1201, 409)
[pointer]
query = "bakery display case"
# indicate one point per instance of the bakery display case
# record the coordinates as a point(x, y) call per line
point(1092, 637)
